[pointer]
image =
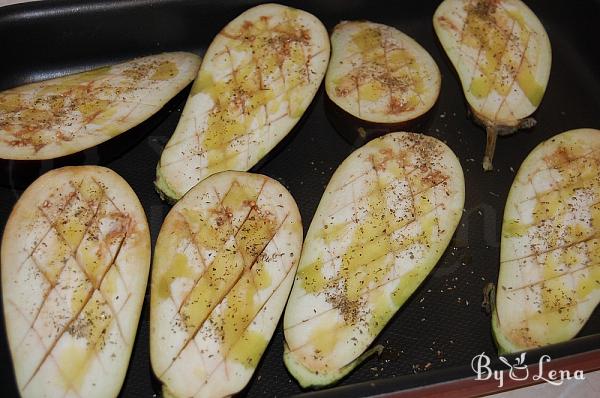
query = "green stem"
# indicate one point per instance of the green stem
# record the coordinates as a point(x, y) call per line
point(490, 147)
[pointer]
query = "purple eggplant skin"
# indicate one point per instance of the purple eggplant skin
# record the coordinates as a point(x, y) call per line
point(358, 132)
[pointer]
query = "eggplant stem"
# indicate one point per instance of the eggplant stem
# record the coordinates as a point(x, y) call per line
point(489, 298)
point(490, 147)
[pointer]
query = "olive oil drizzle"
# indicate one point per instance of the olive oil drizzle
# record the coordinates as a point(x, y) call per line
point(387, 69)
point(38, 114)
point(561, 258)
point(87, 320)
point(248, 349)
point(355, 291)
point(241, 98)
point(484, 29)
point(233, 326)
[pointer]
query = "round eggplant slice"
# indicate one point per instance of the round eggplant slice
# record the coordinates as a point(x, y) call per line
point(550, 252)
point(379, 74)
point(502, 55)
point(223, 268)
point(258, 76)
point(75, 261)
point(68, 114)
point(385, 219)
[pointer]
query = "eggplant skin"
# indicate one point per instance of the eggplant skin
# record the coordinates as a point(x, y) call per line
point(379, 74)
point(65, 115)
point(385, 219)
point(550, 250)
point(258, 77)
point(224, 264)
point(75, 259)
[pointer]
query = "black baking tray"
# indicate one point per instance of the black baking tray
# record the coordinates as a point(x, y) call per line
point(434, 337)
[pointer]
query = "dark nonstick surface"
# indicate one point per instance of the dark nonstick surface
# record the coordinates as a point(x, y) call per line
point(438, 331)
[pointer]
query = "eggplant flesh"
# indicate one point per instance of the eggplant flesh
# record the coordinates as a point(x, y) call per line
point(224, 264)
point(502, 55)
point(75, 260)
point(61, 116)
point(385, 219)
point(379, 74)
point(548, 285)
point(258, 77)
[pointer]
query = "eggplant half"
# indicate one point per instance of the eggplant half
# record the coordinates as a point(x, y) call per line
point(258, 76)
point(385, 219)
point(75, 260)
point(502, 55)
point(549, 282)
point(68, 114)
point(224, 264)
point(380, 75)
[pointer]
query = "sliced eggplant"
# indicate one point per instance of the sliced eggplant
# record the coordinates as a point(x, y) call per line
point(224, 264)
point(258, 76)
point(379, 74)
point(502, 55)
point(68, 114)
point(549, 282)
point(385, 219)
point(75, 260)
